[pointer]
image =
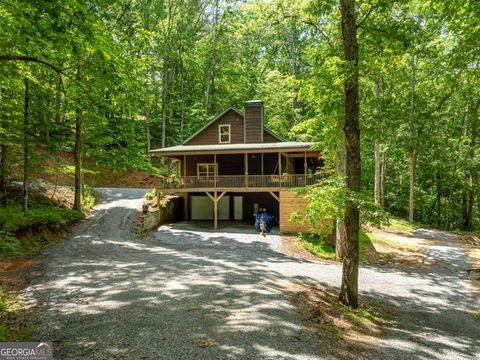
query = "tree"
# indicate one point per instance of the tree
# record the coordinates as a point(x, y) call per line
point(351, 128)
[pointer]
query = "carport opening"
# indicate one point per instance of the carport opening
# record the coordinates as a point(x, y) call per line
point(231, 207)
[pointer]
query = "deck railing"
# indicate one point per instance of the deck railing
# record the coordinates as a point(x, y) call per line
point(238, 181)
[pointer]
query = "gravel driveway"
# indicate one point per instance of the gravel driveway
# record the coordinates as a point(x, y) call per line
point(191, 293)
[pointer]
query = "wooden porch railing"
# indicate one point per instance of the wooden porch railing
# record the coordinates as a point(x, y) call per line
point(238, 181)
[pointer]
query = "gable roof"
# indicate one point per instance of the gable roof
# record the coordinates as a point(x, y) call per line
point(215, 118)
point(212, 121)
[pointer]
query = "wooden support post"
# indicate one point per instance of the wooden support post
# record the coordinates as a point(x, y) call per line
point(279, 164)
point(262, 166)
point(245, 165)
point(184, 165)
point(185, 205)
point(215, 170)
point(215, 211)
point(305, 167)
point(274, 195)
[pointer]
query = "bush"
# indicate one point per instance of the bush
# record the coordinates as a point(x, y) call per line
point(152, 195)
point(88, 198)
point(9, 246)
point(316, 245)
point(13, 219)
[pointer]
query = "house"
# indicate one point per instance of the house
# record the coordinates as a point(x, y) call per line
point(234, 167)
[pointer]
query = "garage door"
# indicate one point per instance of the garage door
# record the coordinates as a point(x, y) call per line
point(202, 208)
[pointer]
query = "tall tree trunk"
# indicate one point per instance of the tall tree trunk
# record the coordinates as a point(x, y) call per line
point(3, 162)
point(147, 135)
point(349, 287)
point(25, 148)
point(377, 186)
point(341, 232)
point(413, 141)
point(3, 172)
point(382, 178)
point(77, 203)
point(293, 66)
point(471, 173)
point(412, 165)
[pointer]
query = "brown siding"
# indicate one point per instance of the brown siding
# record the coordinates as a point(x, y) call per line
point(269, 138)
point(210, 134)
point(289, 203)
point(193, 160)
point(253, 124)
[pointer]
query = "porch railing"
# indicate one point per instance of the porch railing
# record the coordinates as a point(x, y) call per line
point(239, 181)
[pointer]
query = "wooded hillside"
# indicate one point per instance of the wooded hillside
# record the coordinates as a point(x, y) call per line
point(106, 80)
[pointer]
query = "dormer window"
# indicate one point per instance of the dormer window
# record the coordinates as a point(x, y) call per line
point(224, 134)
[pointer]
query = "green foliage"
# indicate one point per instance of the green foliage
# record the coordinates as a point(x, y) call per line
point(9, 246)
point(151, 195)
point(316, 245)
point(13, 219)
point(88, 198)
point(402, 225)
point(327, 199)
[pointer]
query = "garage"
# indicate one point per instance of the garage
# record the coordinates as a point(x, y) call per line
point(202, 208)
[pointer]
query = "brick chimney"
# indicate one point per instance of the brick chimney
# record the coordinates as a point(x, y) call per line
point(253, 121)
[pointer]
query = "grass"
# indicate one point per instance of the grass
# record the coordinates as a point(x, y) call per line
point(402, 226)
point(344, 332)
point(19, 236)
point(368, 253)
point(316, 245)
point(13, 322)
point(391, 243)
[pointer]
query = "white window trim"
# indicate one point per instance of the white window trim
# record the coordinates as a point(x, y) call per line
point(215, 166)
point(220, 134)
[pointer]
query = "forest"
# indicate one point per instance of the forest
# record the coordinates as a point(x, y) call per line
point(108, 80)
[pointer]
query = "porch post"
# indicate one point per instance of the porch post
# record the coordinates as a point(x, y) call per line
point(279, 164)
point(215, 211)
point(245, 160)
point(262, 165)
point(184, 165)
point(215, 170)
point(305, 167)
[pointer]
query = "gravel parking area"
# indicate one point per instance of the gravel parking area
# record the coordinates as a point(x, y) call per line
point(185, 292)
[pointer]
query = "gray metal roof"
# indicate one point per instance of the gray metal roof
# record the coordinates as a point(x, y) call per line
point(229, 148)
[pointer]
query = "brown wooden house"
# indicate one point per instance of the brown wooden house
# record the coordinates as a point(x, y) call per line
point(234, 167)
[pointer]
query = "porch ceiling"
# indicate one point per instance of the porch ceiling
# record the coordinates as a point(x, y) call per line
point(288, 146)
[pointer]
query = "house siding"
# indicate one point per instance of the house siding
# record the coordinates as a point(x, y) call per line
point(210, 134)
point(269, 138)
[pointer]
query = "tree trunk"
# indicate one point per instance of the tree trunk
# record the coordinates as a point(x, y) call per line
point(77, 204)
point(340, 233)
point(349, 287)
point(382, 178)
point(413, 145)
point(377, 186)
point(413, 161)
point(3, 173)
point(25, 149)
point(471, 173)
point(3, 163)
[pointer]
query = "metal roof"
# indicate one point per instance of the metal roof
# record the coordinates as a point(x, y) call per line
point(230, 148)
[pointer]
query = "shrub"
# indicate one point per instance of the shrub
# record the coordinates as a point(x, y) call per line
point(9, 246)
point(88, 198)
point(151, 195)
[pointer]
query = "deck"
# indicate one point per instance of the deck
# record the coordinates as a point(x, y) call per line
point(243, 183)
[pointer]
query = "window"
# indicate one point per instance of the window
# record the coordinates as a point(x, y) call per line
point(206, 169)
point(224, 134)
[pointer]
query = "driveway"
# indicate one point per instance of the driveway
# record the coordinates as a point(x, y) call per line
point(184, 292)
